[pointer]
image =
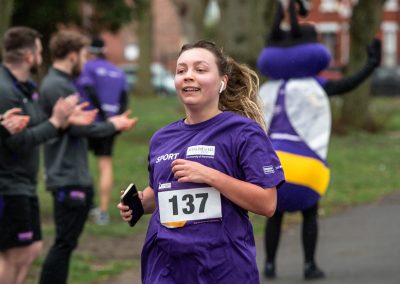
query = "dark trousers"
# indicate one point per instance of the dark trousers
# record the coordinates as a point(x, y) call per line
point(71, 208)
point(309, 234)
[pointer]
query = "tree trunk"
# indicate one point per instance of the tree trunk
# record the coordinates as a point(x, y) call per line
point(192, 14)
point(143, 87)
point(6, 8)
point(363, 26)
point(243, 27)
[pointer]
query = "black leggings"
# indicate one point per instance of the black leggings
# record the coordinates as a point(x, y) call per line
point(309, 234)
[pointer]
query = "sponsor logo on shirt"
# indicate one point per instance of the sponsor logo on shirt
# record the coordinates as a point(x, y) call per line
point(166, 185)
point(268, 170)
point(102, 72)
point(203, 151)
point(167, 157)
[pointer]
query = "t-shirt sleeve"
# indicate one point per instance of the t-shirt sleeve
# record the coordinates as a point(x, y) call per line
point(257, 158)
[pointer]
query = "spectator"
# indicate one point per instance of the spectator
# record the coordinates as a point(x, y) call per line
point(20, 232)
point(296, 107)
point(66, 162)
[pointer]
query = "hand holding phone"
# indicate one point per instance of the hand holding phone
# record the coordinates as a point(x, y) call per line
point(131, 198)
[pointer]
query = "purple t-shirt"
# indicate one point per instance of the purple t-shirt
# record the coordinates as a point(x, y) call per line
point(222, 246)
point(108, 81)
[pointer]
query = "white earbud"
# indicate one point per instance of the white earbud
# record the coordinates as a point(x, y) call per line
point(222, 87)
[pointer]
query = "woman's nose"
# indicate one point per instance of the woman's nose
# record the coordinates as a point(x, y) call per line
point(188, 74)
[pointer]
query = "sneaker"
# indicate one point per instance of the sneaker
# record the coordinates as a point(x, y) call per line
point(102, 218)
point(269, 270)
point(311, 272)
point(94, 211)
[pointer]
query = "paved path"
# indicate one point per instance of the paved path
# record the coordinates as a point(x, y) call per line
point(358, 246)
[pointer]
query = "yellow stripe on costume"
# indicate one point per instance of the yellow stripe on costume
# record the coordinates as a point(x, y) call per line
point(305, 171)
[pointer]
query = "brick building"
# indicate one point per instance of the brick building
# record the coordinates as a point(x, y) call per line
point(167, 37)
point(330, 16)
point(332, 21)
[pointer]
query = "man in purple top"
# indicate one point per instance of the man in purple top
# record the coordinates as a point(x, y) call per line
point(205, 173)
point(104, 86)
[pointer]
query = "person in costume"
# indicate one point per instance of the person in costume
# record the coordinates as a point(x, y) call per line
point(205, 173)
point(298, 115)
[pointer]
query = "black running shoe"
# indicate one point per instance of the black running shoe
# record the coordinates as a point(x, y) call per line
point(311, 272)
point(269, 270)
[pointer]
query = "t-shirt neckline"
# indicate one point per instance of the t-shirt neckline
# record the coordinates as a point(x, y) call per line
point(214, 120)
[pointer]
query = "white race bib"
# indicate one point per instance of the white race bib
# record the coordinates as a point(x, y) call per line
point(177, 207)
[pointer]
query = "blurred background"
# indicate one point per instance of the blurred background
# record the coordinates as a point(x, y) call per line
point(143, 37)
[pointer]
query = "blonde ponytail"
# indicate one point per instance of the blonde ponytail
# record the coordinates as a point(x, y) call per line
point(242, 93)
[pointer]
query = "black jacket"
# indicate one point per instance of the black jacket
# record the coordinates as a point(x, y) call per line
point(19, 153)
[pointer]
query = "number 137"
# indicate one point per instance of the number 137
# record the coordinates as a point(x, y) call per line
point(190, 206)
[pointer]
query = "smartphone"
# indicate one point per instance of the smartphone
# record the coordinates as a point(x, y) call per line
point(131, 198)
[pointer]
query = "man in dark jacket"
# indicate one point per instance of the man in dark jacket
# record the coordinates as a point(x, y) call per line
point(66, 157)
point(20, 232)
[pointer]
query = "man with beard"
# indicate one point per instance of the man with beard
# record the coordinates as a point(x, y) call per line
point(20, 232)
point(66, 157)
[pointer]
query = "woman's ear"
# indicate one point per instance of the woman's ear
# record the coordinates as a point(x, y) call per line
point(221, 88)
point(224, 83)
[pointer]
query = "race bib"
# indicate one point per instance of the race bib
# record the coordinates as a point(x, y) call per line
point(179, 208)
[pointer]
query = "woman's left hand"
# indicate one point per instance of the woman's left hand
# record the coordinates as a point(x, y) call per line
point(189, 171)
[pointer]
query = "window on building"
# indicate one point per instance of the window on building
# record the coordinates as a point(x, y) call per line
point(328, 6)
point(389, 44)
point(328, 36)
point(391, 5)
point(329, 40)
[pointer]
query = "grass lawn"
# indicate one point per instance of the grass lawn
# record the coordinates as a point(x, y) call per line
point(364, 167)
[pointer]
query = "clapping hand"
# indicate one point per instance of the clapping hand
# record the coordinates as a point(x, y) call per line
point(13, 121)
point(79, 116)
point(122, 122)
